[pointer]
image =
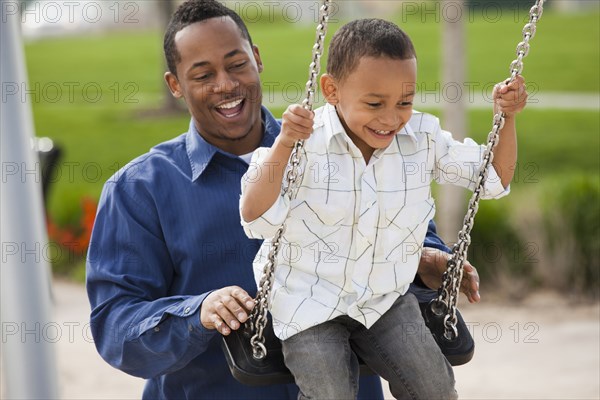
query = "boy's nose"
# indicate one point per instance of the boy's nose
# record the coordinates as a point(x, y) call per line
point(390, 120)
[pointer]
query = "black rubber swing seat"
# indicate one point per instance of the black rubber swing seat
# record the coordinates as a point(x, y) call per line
point(272, 370)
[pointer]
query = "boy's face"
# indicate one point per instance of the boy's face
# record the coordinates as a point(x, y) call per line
point(374, 101)
point(218, 75)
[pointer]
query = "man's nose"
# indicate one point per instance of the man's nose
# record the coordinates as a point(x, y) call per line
point(225, 84)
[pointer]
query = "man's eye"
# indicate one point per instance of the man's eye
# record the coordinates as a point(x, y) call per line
point(202, 77)
point(239, 65)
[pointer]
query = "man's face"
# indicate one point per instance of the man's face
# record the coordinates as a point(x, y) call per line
point(374, 101)
point(218, 76)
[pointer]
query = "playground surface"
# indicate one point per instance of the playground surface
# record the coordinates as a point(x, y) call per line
point(543, 347)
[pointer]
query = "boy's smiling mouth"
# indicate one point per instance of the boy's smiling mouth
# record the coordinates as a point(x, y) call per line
point(379, 132)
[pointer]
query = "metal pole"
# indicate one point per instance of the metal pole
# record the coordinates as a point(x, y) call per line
point(29, 368)
point(451, 202)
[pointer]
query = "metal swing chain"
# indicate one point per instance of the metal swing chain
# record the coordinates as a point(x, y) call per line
point(259, 316)
point(447, 299)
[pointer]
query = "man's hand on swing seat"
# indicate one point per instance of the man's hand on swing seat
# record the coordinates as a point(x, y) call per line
point(226, 309)
point(432, 266)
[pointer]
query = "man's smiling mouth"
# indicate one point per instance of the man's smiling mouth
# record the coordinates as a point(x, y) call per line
point(231, 108)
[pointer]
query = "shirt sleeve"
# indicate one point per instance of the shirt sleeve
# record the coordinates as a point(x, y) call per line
point(137, 327)
point(265, 226)
point(458, 163)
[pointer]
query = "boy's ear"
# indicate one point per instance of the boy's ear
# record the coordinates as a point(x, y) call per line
point(173, 84)
point(329, 88)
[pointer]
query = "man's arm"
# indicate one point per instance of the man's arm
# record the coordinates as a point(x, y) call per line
point(433, 264)
point(137, 326)
point(432, 239)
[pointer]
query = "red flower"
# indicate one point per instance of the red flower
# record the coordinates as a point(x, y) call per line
point(76, 239)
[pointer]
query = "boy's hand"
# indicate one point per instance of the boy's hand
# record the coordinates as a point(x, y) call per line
point(297, 124)
point(510, 99)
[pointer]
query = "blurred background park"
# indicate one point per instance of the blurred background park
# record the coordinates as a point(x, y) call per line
point(96, 88)
point(95, 84)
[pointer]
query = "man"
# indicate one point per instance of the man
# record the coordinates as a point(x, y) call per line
point(169, 267)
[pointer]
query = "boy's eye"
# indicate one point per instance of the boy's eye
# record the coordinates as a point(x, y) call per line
point(406, 103)
point(374, 105)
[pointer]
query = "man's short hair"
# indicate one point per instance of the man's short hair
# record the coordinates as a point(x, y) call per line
point(190, 12)
point(366, 38)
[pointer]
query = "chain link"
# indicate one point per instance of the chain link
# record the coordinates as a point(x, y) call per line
point(259, 315)
point(447, 299)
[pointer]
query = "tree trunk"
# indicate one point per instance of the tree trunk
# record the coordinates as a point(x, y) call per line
point(454, 115)
point(170, 104)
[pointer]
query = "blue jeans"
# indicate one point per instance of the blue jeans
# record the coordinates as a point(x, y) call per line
point(398, 347)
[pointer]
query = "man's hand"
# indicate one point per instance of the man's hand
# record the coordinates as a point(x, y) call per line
point(226, 309)
point(432, 266)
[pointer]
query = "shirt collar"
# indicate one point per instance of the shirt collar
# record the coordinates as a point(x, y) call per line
point(408, 133)
point(333, 126)
point(201, 153)
point(331, 122)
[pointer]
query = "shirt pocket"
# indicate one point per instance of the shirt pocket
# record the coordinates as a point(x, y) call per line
point(311, 248)
point(310, 222)
point(405, 229)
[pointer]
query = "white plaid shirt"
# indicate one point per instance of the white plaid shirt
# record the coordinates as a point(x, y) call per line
point(354, 233)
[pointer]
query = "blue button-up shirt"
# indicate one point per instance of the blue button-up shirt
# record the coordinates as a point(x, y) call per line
point(167, 233)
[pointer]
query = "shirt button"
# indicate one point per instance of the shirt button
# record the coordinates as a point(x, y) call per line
point(187, 310)
point(190, 328)
point(156, 329)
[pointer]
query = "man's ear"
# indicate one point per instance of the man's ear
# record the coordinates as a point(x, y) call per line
point(256, 53)
point(329, 88)
point(173, 84)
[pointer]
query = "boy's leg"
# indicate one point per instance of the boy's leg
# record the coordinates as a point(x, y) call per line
point(322, 362)
point(400, 348)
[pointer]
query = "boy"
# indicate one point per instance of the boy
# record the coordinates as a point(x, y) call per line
point(354, 230)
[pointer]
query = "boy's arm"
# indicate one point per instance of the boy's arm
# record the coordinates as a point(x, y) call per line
point(261, 192)
point(510, 99)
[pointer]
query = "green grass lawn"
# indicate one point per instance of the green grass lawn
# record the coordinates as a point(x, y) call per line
point(90, 91)
point(561, 59)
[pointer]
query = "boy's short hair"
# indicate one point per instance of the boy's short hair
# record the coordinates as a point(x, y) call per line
point(366, 38)
point(189, 13)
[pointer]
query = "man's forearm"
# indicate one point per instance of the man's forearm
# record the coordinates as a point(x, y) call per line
point(147, 339)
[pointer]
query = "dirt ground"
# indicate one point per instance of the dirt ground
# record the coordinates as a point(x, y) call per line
point(542, 348)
